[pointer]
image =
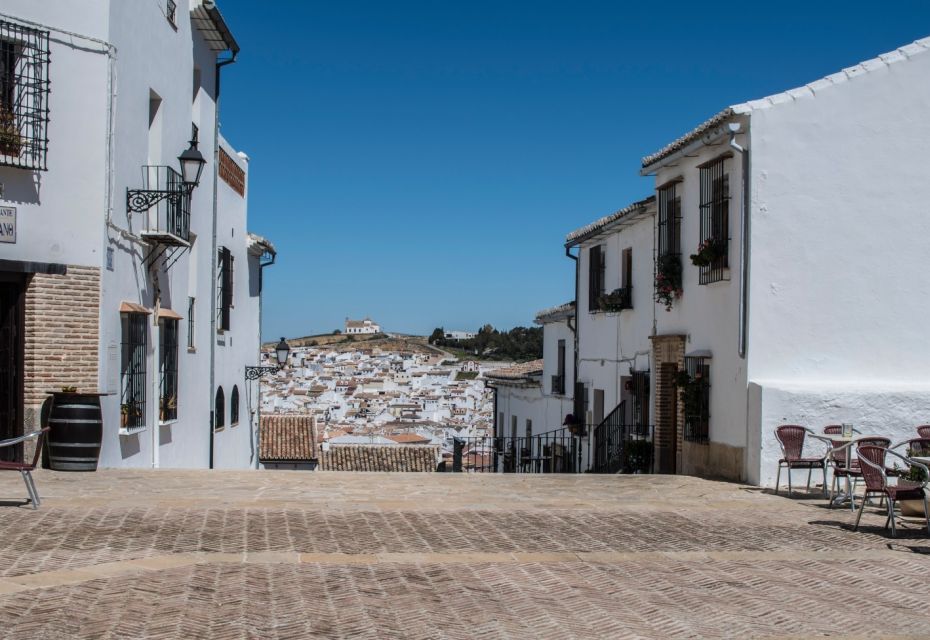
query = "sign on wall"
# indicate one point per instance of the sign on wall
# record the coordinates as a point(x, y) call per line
point(8, 224)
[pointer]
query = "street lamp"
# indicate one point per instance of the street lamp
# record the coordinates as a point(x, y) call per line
point(192, 163)
point(281, 352)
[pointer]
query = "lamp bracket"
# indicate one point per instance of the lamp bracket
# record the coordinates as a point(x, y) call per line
point(141, 200)
point(254, 373)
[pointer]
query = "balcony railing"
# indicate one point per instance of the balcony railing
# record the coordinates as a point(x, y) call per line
point(167, 221)
point(617, 300)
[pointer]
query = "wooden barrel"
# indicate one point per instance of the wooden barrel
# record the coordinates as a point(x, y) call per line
point(76, 431)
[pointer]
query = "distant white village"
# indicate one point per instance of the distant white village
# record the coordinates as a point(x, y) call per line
point(367, 395)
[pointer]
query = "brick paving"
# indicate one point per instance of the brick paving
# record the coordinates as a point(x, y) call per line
point(179, 554)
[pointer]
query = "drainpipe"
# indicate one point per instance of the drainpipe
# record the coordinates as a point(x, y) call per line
point(568, 253)
point(734, 128)
point(257, 439)
point(216, 173)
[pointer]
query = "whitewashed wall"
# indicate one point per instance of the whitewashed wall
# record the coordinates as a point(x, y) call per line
point(840, 293)
point(556, 407)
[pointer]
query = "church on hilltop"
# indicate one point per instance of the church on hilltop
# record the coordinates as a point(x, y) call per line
point(362, 326)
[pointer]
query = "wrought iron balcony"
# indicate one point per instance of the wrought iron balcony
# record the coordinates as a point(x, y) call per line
point(164, 201)
point(558, 385)
point(617, 300)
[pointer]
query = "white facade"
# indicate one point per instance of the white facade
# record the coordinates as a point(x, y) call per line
point(362, 326)
point(459, 335)
point(129, 86)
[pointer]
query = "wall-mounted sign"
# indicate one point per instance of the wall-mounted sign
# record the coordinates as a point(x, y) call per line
point(8, 224)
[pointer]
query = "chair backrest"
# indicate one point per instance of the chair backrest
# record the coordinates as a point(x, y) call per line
point(919, 447)
point(39, 442)
point(924, 431)
point(874, 441)
point(791, 437)
point(833, 430)
point(873, 474)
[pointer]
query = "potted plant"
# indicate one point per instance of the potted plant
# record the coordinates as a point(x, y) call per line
point(692, 392)
point(668, 280)
point(168, 406)
point(616, 300)
point(914, 474)
point(708, 252)
point(11, 141)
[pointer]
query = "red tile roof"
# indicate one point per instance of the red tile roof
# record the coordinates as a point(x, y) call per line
point(287, 437)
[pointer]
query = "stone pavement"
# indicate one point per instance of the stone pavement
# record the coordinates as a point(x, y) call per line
point(189, 554)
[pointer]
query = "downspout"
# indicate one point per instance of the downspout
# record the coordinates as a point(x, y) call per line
point(568, 252)
point(744, 238)
point(216, 173)
point(257, 439)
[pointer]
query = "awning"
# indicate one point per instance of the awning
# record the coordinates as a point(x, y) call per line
point(132, 307)
point(171, 314)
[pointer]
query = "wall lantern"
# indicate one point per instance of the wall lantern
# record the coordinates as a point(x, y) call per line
point(281, 352)
point(192, 163)
point(169, 186)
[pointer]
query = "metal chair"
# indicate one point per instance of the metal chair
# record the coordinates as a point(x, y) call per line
point(924, 431)
point(919, 447)
point(25, 468)
point(875, 474)
point(850, 469)
point(791, 438)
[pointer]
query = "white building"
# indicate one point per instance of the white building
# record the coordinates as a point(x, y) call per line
point(362, 326)
point(133, 285)
point(459, 335)
point(790, 235)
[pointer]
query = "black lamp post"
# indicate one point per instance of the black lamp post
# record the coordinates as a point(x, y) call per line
point(192, 163)
point(281, 352)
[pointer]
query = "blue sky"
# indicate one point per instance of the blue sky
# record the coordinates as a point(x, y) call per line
point(421, 162)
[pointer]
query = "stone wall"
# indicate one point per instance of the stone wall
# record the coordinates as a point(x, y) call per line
point(668, 354)
point(353, 457)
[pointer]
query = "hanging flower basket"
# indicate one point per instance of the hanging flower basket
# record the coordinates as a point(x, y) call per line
point(617, 300)
point(708, 252)
point(668, 280)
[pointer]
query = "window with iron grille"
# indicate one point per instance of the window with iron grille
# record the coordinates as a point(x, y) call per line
point(639, 389)
point(596, 272)
point(133, 378)
point(234, 406)
point(224, 288)
point(694, 383)
point(669, 221)
point(219, 410)
point(24, 88)
point(714, 247)
point(168, 370)
point(558, 380)
point(171, 12)
point(190, 322)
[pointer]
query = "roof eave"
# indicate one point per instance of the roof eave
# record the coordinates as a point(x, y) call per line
point(212, 25)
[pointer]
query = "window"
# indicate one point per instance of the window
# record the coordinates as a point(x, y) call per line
point(224, 288)
point(596, 270)
point(190, 323)
point(558, 380)
point(24, 87)
point(626, 275)
point(529, 430)
point(513, 427)
point(171, 12)
point(234, 406)
point(714, 247)
point(132, 370)
point(669, 221)
point(219, 410)
point(694, 383)
point(168, 370)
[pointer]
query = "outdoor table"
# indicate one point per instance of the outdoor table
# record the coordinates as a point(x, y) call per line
point(847, 440)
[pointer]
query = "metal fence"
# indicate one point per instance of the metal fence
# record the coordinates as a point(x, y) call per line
point(555, 451)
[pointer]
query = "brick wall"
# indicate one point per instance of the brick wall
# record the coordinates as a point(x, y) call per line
point(351, 457)
point(62, 335)
point(669, 355)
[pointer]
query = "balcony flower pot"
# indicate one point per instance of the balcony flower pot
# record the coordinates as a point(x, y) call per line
point(617, 300)
point(708, 252)
point(912, 508)
point(11, 141)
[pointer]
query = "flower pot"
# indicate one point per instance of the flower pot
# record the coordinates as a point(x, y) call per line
point(914, 508)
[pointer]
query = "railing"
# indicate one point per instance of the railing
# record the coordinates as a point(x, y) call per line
point(170, 217)
point(555, 451)
point(620, 447)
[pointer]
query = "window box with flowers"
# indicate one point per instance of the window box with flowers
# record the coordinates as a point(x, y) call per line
point(668, 280)
point(710, 252)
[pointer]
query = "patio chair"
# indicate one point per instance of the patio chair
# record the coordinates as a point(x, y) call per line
point(915, 447)
point(24, 468)
point(874, 472)
point(924, 431)
point(850, 471)
point(791, 438)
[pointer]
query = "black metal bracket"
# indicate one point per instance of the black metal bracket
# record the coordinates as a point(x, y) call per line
point(254, 373)
point(141, 200)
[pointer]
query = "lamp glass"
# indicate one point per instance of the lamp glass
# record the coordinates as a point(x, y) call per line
point(192, 163)
point(281, 352)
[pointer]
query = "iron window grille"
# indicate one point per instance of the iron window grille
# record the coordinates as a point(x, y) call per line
point(715, 222)
point(558, 380)
point(219, 410)
point(190, 323)
point(24, 88)
point(165, 201)
point(225, 288)
point(695, 391)
point(171, 12)
point(133, 387)
point(669, 221)
point(596, 272)
point(234, 406)
point(639, 390)
point(168, 370)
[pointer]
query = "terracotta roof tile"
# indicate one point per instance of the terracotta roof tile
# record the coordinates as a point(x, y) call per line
point(287, 437)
